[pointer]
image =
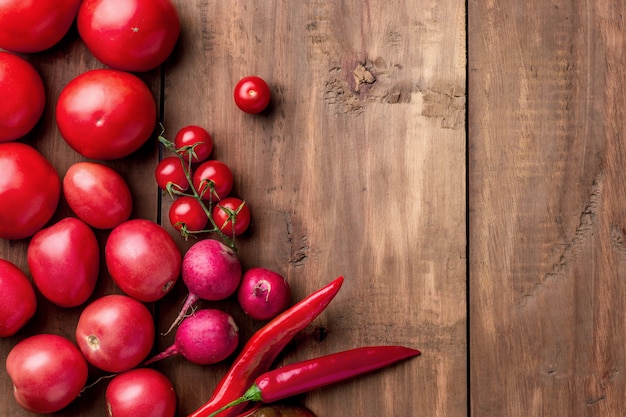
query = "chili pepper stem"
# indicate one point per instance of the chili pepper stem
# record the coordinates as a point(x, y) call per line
point(252, 394)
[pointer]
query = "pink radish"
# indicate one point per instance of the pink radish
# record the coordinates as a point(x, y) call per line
point(263, 294)
point(211, 271)
point(207, 336)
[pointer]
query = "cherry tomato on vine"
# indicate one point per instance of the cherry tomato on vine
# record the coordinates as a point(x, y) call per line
point(47, 371)
point(217, 173)
point(188, 211)
point(30, 189)
point(171, 170)
point(194, 135)
point(252, 94)
point(24, 94)
point(106, 114)
point(232, 216)
point(35, 25)
point(129, 35)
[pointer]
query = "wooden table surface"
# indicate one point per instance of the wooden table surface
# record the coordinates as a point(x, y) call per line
point(461, 164)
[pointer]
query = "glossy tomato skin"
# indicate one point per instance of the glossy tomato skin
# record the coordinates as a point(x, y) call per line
point(20, 81)
point(64, 261)
point(143, 259)
point(98, 194)
point(35, 25)
point(129, 35)
point(141, 392)
point(252, 94)
point(115, 333)
point(188, 211)
point(170, 169)
point(48, 372)
point(194, 135)
point(106, 114)
point(18, 302)
point(217, 172)
point(232, 216)
point(31, 185)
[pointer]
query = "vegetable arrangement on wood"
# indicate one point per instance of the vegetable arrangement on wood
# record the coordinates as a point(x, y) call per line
point(108, 114)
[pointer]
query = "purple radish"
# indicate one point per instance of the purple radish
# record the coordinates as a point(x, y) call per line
point(211, 271)
point(263, 294)
point(206, 337)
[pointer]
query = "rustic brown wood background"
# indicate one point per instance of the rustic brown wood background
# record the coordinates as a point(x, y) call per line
point(470, 192)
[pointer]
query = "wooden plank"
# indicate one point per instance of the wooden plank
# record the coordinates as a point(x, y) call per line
point(547, 218)
point(343, 177)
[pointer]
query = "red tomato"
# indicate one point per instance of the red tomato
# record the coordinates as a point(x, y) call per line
point(215, 172)
point(141, 392)
point(115, 333)
point(35, 25)
point(187, 211)
point(232, 216)
point(30, 189)
point(64, 261)
point(143, 259)
point(130, 35)
point(170, 170)
point(97, 194)
point(17, 299)
point(194, 135)
point(20, 81)
point(252, 94)
point(48, 372)
point(106, 114)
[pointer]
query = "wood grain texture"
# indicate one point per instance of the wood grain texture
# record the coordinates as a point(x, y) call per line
point(546, 217)
point(357, 169)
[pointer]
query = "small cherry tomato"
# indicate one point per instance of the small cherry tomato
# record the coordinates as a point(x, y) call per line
point(197, 137)
point(18, 302)
point(30, 189)
point(187, 211)
point(35, 25)
point(252, 94)
point(143, 259)
point(48, 372)
point(171, 170)
point(98, 194)
point(115, 333)
point(216, 173)
point(232, 216)
point(106, 114)
point(129, 35)
point(64, 261)
point(141, 392)
point(20, 81)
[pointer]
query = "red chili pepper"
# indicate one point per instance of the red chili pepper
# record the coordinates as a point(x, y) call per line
point(260, 352)
point(300, 377)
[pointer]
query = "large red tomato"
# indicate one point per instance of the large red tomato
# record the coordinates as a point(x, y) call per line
point(23, 95)
point(115, 333)
point(141, 392)
point(18, 302)
point(48, 372)
point(34, 25)
point(130, 35)
point(143, 259)
point(98, 194)
point(64, 261)
point(30, 189)
point(106, 114)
